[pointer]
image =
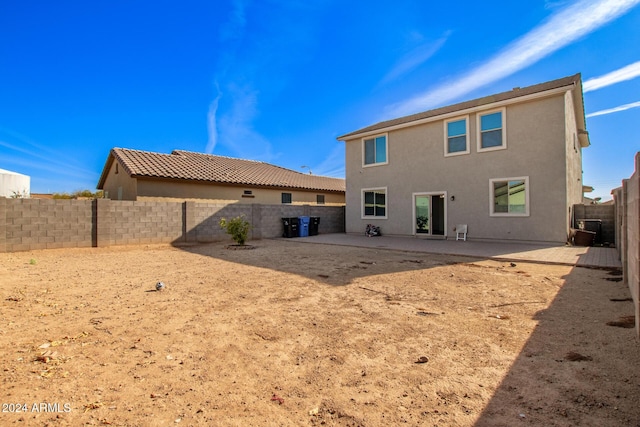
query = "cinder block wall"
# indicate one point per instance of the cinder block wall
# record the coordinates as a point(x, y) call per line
point(207, 220)
point(271, 217)
point(3, 224)
point(127, 222)
point(627, 203)
point(28, 224)
point(46, 224)
point(607, 213)
point(328, 222)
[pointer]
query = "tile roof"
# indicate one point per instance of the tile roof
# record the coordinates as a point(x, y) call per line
point(190, 166)
point(503, 96)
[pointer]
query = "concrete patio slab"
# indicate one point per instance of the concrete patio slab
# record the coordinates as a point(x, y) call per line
point(593, 257)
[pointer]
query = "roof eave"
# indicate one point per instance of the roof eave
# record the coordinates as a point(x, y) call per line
point(581, 118)
point(236, 184)
point(105, 171)
point(490, 105)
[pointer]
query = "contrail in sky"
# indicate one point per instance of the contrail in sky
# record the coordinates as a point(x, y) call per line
point(558, 31)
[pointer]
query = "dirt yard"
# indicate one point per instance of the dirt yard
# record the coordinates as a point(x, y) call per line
point(294, 334)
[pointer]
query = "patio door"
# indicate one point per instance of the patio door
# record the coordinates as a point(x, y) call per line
point(429, 214)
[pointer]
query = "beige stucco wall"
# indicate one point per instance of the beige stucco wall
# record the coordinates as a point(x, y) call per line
point(167, 190)
point(573, 153)
point(536, 148)
point(118, 185)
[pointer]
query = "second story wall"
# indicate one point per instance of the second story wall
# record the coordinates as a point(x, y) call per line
point(573, 153)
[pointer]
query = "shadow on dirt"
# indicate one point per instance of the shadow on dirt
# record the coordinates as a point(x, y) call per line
point(323, 263)
point(574, 369)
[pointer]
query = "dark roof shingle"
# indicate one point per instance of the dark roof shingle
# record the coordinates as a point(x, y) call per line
point(187, 165)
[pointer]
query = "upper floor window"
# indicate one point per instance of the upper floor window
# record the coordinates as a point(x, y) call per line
point(375, 150)
point(509, 196)
point(286, 197)
point(491, 130)
point(320, 199)
point(455, 140)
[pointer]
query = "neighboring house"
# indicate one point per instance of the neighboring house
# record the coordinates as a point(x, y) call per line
point(14, 185)
point(184, 175)
point(509, 166)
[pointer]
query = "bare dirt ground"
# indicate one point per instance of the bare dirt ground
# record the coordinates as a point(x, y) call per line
point(294, 334)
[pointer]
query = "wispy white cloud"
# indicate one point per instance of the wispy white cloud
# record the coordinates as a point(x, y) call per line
point(615, 110)
point(333, 164)
point(31, 164)
point(233, 29)
point(39, 157)
point(235, 127)
point(257, 63)
point(212, 128)
point(561, 29)
point(414, 58)
point(629, 72)
point(554, 4)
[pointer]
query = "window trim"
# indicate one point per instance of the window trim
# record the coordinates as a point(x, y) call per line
point(446, 136)
point(479, 116)
point(282, 198)
point(386, 202)
point(527, 191)
point(386, 149)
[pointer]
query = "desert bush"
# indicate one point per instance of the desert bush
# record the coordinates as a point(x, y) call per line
point(85, 194)
point(238, 228)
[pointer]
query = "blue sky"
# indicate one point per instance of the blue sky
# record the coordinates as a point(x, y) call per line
point(279, 80)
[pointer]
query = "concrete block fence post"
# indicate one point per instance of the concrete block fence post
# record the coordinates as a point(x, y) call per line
point(103, 223)
point(3, 224)
point(189, 232)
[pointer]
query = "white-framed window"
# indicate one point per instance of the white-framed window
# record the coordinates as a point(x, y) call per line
point(374, 203)
point(492, 130)
point(374, 150)
point(456, 136)
point(509, 196)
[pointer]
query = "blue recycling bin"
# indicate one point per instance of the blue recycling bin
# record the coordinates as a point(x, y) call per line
point(303, 228)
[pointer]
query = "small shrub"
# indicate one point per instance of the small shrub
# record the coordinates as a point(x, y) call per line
point(19, 194)
point(83, 194)
point(238, 228)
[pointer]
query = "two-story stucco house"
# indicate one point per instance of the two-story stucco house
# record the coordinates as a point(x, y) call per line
point(509, 166)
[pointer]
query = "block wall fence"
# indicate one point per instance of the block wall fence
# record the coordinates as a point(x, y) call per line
point(606, 213)
point(627, 203)
point(29, 224)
